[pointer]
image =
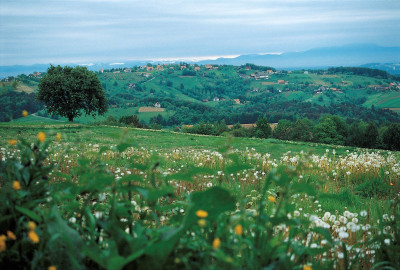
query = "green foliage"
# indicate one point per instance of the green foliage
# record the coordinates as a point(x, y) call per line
point(69, 91)
point(262, 129)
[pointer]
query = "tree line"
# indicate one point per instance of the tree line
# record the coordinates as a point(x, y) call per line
point(330, 129)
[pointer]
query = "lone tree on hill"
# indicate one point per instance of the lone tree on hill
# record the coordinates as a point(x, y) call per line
point(70, 91)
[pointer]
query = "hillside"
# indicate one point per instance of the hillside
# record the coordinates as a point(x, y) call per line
point(188, 94)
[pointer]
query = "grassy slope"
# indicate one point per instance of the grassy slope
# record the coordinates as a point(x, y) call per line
point(81, 136)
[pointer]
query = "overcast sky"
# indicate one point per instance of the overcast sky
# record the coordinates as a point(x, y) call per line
point(92, 31)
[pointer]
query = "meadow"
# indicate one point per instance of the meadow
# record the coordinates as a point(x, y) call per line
point(99, 197)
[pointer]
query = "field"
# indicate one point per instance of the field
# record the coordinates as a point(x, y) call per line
point(107, 197)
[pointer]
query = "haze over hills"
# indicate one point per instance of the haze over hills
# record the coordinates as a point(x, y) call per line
point(367, 55)
point(349, 55)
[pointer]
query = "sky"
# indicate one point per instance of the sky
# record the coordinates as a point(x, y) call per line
point(93, 31)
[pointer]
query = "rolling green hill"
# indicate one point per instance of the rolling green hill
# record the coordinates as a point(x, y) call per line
point(187, 95)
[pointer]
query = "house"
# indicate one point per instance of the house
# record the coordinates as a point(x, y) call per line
point(149, 68)
point(270, 71)
point(208, 66)
point(157, 105)
point(6, 79)
point(101, 70)
point(237, 101)
point(282, 82)
point(215, 67)
point(114, 106)
point(159, 67)
point(172, 68)
point(131, 85)
point(247, 68)
point(260, 75)
point(306, 72)
point(321, 89)
point(146, 75)
point(196, 68)
point(116, 72)
point(204, 100)
point(127, 70)
point(216, 99)
point(182, 67)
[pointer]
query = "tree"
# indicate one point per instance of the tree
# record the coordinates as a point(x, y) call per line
point(263, 129)
point(70, 91)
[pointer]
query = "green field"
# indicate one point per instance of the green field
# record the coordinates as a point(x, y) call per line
point(146, 199)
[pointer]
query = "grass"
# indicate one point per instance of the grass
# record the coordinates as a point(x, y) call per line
point(133, 196)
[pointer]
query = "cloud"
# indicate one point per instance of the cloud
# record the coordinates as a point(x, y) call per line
point(91, 30)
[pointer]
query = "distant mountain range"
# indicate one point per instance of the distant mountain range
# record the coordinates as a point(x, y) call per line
point(350, 55)
point(367, 55)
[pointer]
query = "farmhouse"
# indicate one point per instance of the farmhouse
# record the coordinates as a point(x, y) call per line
point(149, 68)
point(282, 82)
point(237, 101)
point(260, 75)
point(208, 66)
point(270, 71)
point(196, 68)
point(157, 105)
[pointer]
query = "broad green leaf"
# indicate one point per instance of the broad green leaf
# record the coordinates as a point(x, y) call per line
point(29, 213)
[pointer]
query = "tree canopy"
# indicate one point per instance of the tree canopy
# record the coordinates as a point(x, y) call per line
point(71, 91)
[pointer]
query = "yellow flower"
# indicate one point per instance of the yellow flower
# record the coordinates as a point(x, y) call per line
point(271, 198)
point(307, 267)
point(51, 267)
point(11, 235)
point(201, 213)
point(202, 222)
point(12, 142)
point(41, 136)
point(391, 183)
point(216, 243)
point(58, 136)
point(3, 242)
point(31, 225)
point(16, 185)
point(33, 236)
point(25, 113)
point(239, 229)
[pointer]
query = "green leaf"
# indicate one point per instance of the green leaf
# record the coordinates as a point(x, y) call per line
point(123, 146)
point(303, 188)
point(215, 201)
point(29, 213)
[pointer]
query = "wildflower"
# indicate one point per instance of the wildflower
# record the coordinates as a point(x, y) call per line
point(202, 222)
point(307, 267)
point(41, 136)
point(391, 183)
point(239, 229)
point(201, 213)
point(32, 235)
point(271, 198)
point(58, 137)
point(216, 243)
point(3, 242)
point(31, 225)
point(12, 142)
point(11, 235)
point(51, 267)
point(363, 213)
point(25, 113)
point(16, 185)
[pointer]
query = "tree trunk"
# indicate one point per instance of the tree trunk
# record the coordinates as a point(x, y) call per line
point(70, 118)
